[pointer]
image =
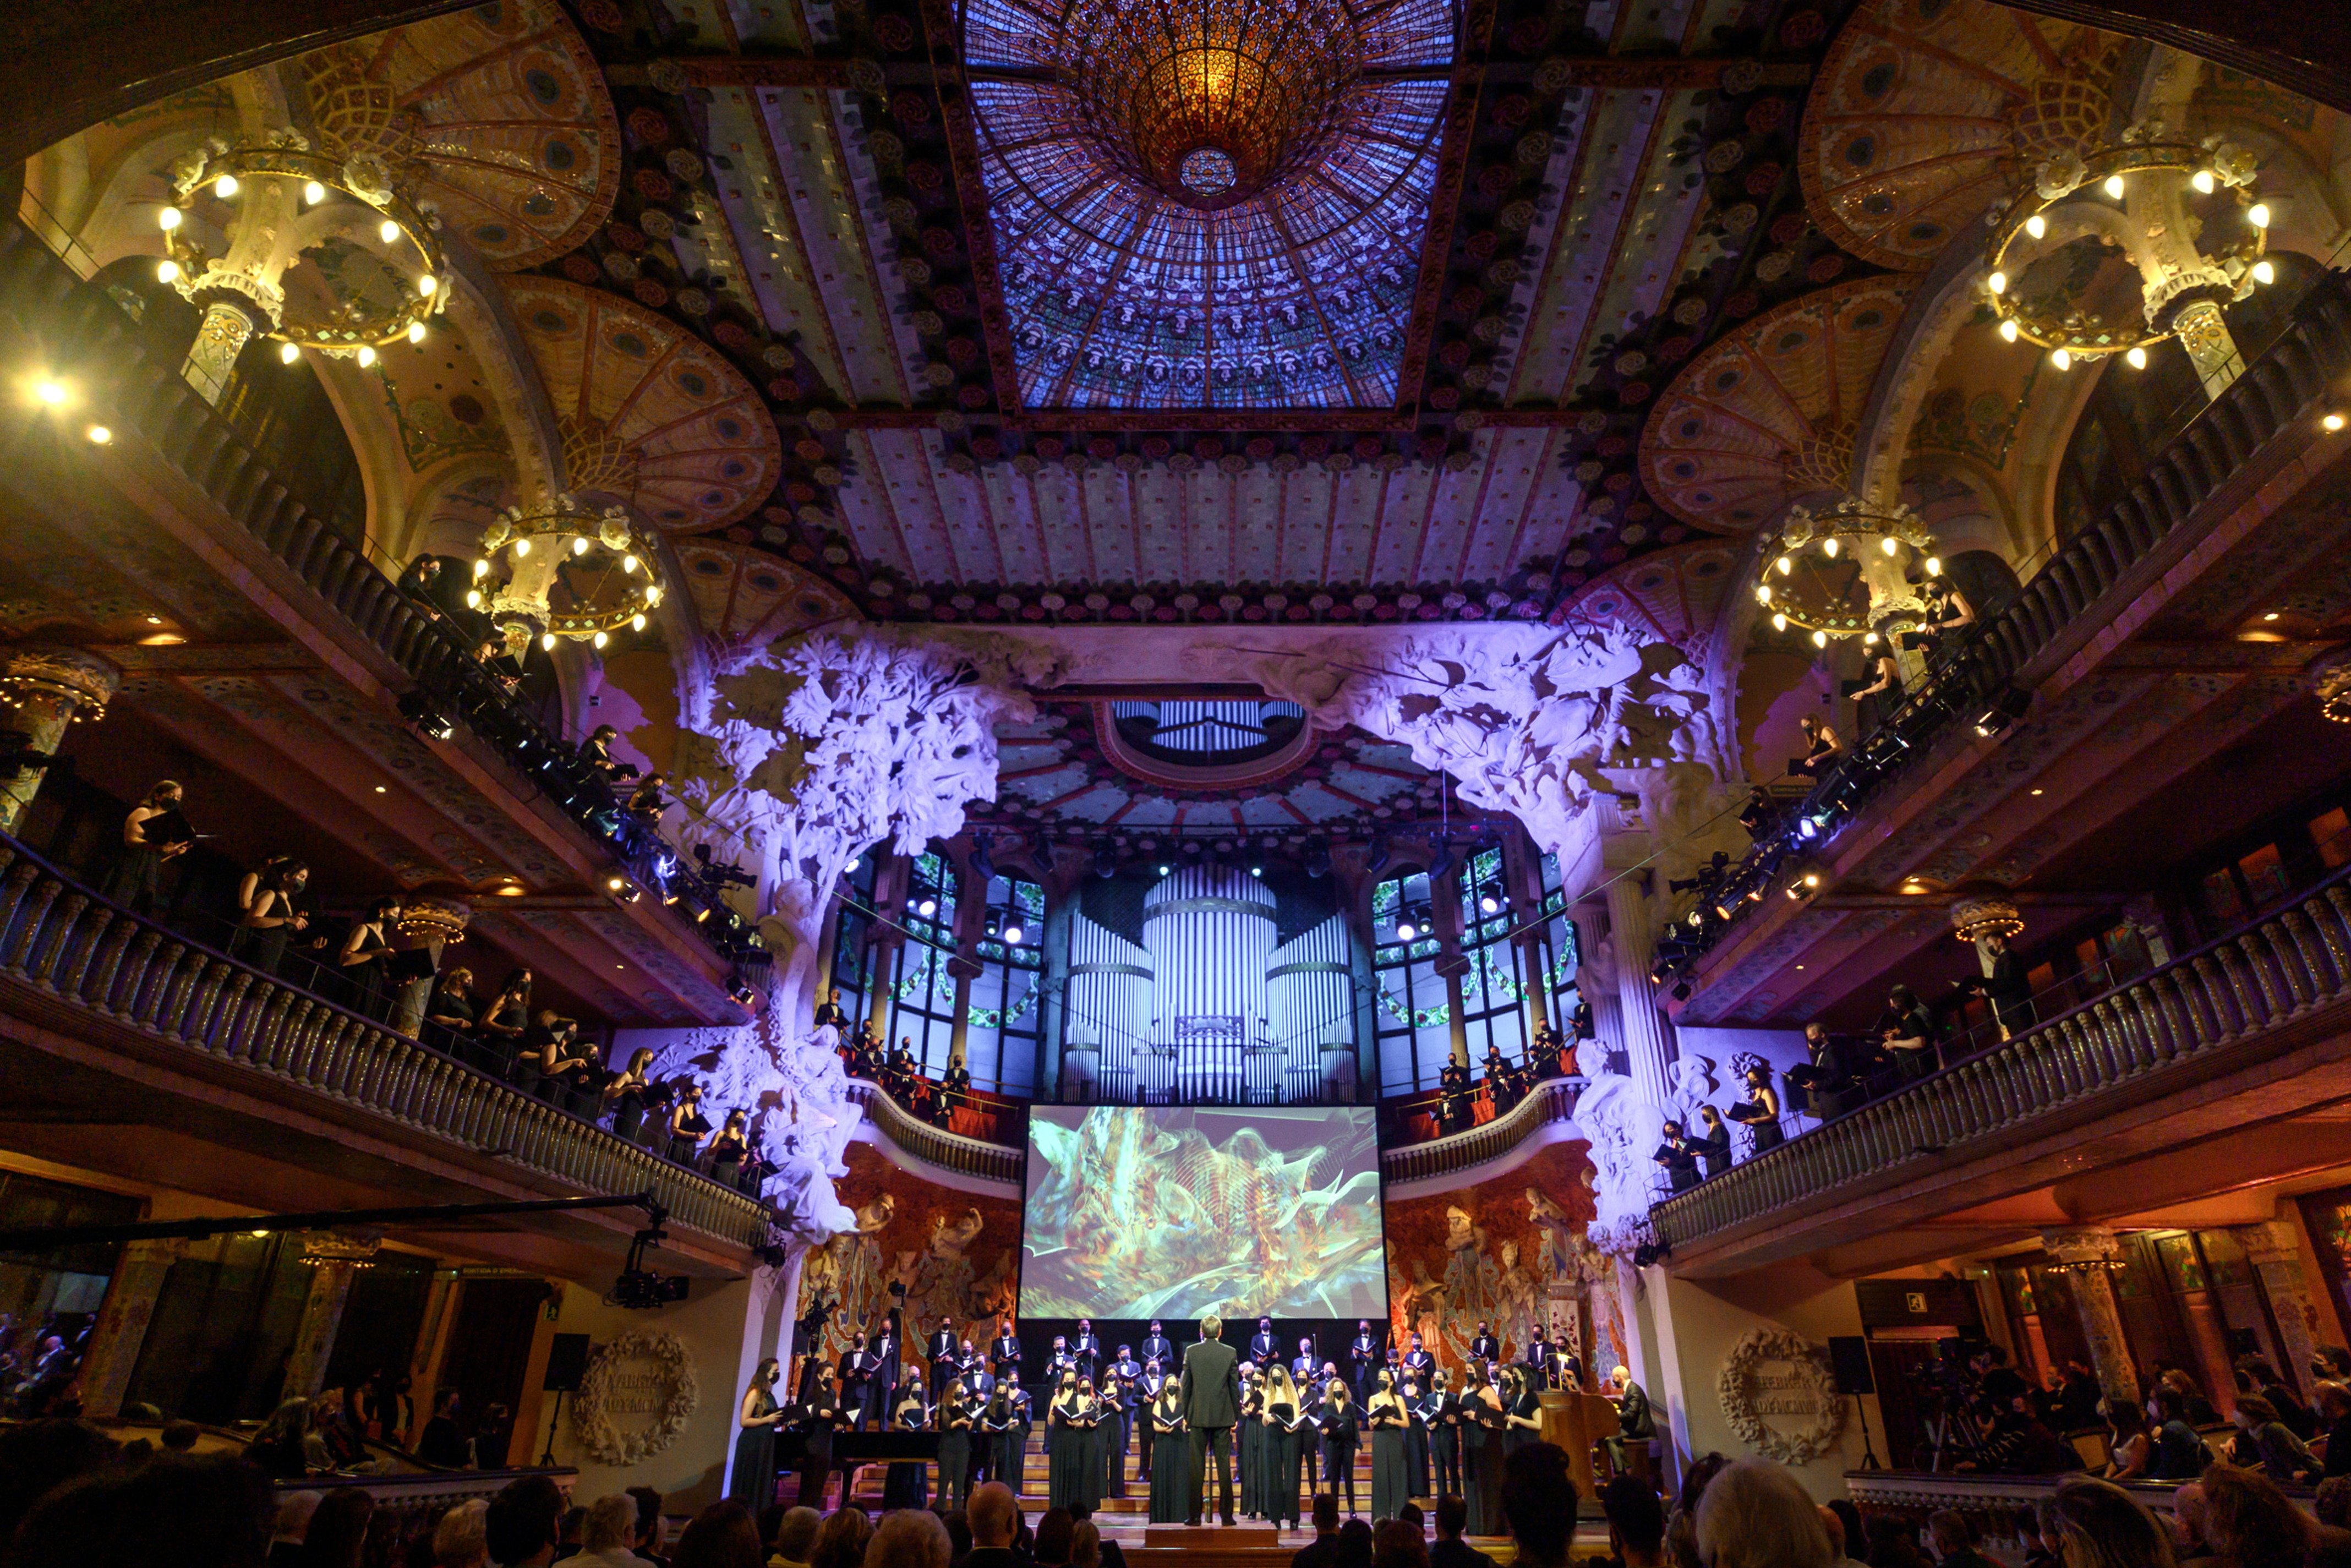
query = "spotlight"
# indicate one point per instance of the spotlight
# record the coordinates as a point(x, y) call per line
point(1378, 859)
point(1166, 870)
point(49, 391)
point(1681, 990)
point(614, 882)
point(1406, 930)
point(2331, 423)
point(1256, 871)
point(1015, 934)
point(99, 434)
point(1105, 861)
point(741, 995)
point(1489, 904)
point(2005, 709)
point(927, 907)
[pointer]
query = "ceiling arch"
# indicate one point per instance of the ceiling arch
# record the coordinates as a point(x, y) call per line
point(649, 414)
point(1928, 112)
point(1766, 416)
point(1675, 595)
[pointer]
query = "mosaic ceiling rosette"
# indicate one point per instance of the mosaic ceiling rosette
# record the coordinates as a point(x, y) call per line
point(1209, 203)
point(650, 413)
point(499, 113)
point(1675, 595)
point(1926, 112)
point(1767, 416)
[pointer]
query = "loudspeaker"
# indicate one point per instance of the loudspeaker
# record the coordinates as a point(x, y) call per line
point(1849, 1362)
point(566, 1364)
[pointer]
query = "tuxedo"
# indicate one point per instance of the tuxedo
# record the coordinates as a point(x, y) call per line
point(1361, 1352)
point(1420, 1365)
point(1486, 1347)
point(1005, 1354)
point(1263, 1349)
point(1538, 1354)
point(1087, 1348)
point(945, 1361)
point(1302, 1371)
point(1158, 1348)
point(978, 1381)
point(857, 1370)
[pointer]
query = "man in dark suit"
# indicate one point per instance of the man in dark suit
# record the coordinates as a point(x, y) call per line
point(1157, 1347)
point(943, 1353)
point(1263, 1347)
point(1485, 1347)
point(1419, 1364)
point(1006, 1352)
point(2005, 987)
point(1448, 1550)
point(1088, 1348)
point(1536, 1356)
point(1363, 1353)
point(1211, 1400)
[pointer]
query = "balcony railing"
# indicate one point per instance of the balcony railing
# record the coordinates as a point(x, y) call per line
point(1550, 1102)
point(2283, 390)
point(935, 1147)
point(62, 944)
point(2268, 973)
point(79, 323)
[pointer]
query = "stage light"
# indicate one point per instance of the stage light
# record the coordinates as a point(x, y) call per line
point(2008, 706)
point(1014, 933)
point(1256, 871)
point(742, 996)
point(1166, 870)
point(614, 882)
point(928, 907)
point(1406, 930)
point(50, 391)
point(1490, 904)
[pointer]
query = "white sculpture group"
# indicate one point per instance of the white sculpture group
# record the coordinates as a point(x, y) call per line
point(809, 750)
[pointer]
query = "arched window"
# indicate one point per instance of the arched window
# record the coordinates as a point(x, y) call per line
point(1005, 1016)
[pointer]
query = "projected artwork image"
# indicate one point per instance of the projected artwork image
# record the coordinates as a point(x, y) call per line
point(1176, 1212)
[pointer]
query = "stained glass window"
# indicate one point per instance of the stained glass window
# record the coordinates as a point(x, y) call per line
point(1237, 225)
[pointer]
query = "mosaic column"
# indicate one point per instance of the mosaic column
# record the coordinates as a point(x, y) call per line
point(46, 688)
point(1648, 1050)
point(114, 1344)
point(2089, 1254)
point(335, 1262)
point(2273, 1251)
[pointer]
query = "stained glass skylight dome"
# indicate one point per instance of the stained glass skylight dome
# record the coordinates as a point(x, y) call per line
point(1209, 204)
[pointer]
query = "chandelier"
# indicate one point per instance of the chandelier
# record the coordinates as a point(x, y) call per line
point(1839, 572)
point(1209, 101)
point(2182, 213)
point(245, 217)
point(1978, 915)
point(572, 573)
point(434, 917)
point(2331, 680)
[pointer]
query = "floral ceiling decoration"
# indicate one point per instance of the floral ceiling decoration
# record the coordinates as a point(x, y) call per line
point(649, 414)
point(1926, 114)
point(497, 115)
point(1766, 417)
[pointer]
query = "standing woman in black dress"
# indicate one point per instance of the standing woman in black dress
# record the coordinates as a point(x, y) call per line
point(507, 1015)
point(1061, 1442)
point(820, 1415)
point(1482, 1454)
point(1415, 1435)
point(1171, 1457)
point(1086, 1489)
point(1760, 1110)
point(1339, 1440)
point(902, 1483)
point(1385, 1413)
point(1281, 1422)
point(1252, 1446)
point(1713, 1143)
point(267, 916)
point(958, 1423)
point(1523, 1423)
point(365, 957)
point(1000, 1426)
point(753, 1485)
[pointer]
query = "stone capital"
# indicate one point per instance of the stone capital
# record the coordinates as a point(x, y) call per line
point(2081, 1244)
point(2271, 1242)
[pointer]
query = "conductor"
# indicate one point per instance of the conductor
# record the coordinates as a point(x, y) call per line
point(1211, 1401)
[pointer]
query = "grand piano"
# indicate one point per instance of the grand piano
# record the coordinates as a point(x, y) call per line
point(852, 1451)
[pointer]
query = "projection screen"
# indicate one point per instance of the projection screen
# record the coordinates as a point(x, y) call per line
point(1178, 1211)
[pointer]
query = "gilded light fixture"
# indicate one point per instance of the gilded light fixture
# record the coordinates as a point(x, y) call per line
point(1978, 915)
point(1211, 100)
point(2182, 214)
point(572, 573)
point(244, 215)
point(1842, 570)
point(434, 917)
point(2332, 683)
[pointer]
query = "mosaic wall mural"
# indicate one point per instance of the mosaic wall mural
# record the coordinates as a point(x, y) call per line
point(956, 1254)
point(1493, 1253)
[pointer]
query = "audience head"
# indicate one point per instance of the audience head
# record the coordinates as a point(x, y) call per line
point(1539, 1499)
point(1452, 1515)
point(40, 1455)
point(911, 1538)
point(649, 1516)
point(1056, 1531)
point(992, 1514)
point(1636, 1520)
point(2249, 1521)
point(207, 1512)
point(1848, 1517)
point(1949, 1528)
point(338, 1529)
point(180, 1437)
point(1354, 1545)
point(1085, 1546)
point(1398, 1544)
point(841, 1540)
point(796, 1534)
point(2091, 1524)
point(723, 1535)
point(611, 1522)
point(1755, 1515)
point(524, 1521)
point(2333, 1503)
point(458, 1541)
point(1326, 1513)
